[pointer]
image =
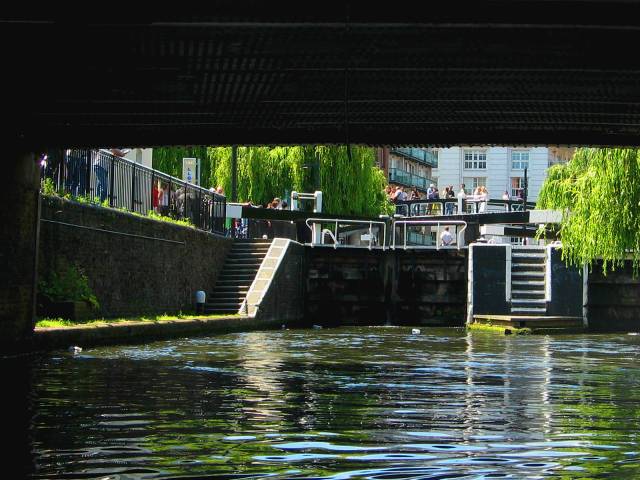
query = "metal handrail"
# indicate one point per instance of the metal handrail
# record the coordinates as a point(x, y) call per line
point(423, 223)
point(334, 235)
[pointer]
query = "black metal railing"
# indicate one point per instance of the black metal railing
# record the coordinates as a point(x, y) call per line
point(449, 206)
point(98, 176)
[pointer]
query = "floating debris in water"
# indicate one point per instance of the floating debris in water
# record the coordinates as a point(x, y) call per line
point(415, 331)
point(317, 327)
point(75, 349)
point(633, 333)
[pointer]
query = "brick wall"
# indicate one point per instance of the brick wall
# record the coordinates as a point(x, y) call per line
point(131, 275)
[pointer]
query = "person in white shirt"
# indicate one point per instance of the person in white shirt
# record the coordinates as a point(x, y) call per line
point(461, 196)
point(483, 196)
point(445, 237)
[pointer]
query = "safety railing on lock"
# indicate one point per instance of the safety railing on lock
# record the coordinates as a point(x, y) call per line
point(318, 233)
point(428, 223)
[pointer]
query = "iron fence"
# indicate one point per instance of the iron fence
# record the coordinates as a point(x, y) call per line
point(101, 177)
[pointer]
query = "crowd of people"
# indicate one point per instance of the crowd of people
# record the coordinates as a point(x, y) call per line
point(396, 194)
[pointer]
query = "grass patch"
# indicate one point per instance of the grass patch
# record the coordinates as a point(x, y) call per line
point(61, 323)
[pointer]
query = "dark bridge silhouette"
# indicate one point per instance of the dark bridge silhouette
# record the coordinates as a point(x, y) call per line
point(250, 72)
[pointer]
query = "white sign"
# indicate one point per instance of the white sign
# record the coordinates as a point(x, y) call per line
point(191, 170)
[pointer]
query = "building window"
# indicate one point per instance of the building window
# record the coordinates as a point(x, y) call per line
point(475, 159)
point(517, 187)
point(519, 160)
point(471, 183)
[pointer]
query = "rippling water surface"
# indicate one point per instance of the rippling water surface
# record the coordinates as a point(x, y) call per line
point(344, 403)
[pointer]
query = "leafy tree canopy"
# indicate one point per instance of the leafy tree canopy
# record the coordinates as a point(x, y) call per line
point(599, 194)
point(350, 181)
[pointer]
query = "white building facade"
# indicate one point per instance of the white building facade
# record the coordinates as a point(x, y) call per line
point(499, 169)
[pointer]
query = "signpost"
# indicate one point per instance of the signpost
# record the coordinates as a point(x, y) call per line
point(191, 170)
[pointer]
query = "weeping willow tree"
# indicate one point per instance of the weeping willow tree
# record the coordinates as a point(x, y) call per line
point(169, 160)
point(349, 185)
point(599, 194)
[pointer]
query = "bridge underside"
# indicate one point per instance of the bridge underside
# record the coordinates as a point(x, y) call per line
point(249, 72)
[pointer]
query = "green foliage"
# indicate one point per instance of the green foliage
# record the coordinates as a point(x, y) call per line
point(67, 283)
point(48, 187)
point(349, 185)
point(169, 160)
point(599, 194)
point(163, 218)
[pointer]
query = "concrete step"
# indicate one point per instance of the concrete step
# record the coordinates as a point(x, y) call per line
point(250, 248)
point(528, 302)
point(228, 304)
point(227, 293)
point(247, 254)
point(239, 277)
point(527, 254)
point(539, 293)
point(528, 266)
point(234, 264)
point(239, 271)
point(527, 283)
point(226, 300)
point(228, 287)
point(243, 261)
point(233, 282)
point(527, 273)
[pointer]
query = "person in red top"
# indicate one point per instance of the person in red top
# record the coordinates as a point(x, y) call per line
point(155, 196)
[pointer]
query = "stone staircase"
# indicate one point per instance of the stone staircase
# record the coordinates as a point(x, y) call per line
point(528, 281)
point(239, 270)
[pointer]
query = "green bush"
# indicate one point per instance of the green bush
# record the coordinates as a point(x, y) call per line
point(68, 283)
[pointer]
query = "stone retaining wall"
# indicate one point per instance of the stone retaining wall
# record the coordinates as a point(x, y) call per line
point(613, 300)
point(129, 274)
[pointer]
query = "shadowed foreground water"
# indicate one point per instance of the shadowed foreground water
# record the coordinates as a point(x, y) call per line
point(341, 403)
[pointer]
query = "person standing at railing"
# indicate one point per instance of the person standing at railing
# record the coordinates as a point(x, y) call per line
point(155, 196)
point(102, 175)
point(446, 238)
point(462, 195)
point(76, 168)
point(483, 196)
point(450, 195)
point(163, 200)
point(432, 194)
point(505, 196)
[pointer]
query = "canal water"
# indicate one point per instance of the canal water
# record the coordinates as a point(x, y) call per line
point(344, 403)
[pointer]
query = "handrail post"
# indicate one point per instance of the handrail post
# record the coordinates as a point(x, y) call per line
point(404, 246)
point(133, 188)
point(111, 180)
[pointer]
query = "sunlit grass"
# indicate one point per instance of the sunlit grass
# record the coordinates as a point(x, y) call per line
point(61, 322)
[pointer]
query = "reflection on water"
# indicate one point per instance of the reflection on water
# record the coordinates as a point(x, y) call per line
point(345, 403)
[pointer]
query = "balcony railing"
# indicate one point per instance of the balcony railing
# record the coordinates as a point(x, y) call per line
point(418, 154)
point(409, 179)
